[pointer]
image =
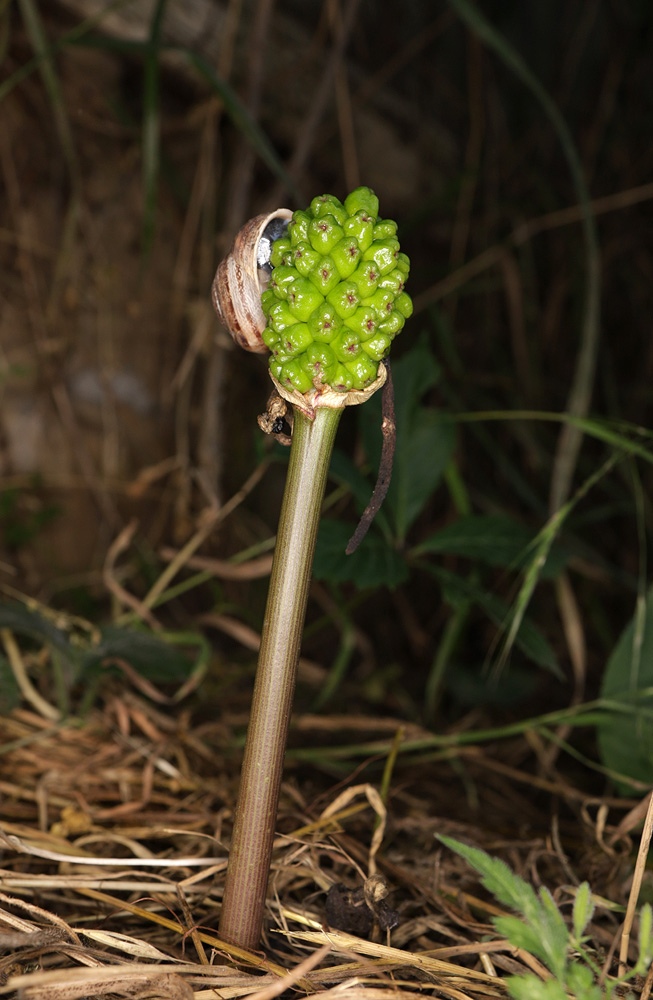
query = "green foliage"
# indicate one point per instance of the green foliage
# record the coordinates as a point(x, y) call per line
point(420, 432)
point(376, 561)
point(158, 659)
point(625, 733)
point(583, 910)
point(493, 539)
point(457, 590)
point(532, 988)
point(34, 625)
point(541, 931)
point(425, 461)
point(645, 940)
point(82, 656)
point(424, 451)
point(425, 438)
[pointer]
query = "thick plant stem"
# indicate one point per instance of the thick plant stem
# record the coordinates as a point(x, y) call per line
point(251, 845)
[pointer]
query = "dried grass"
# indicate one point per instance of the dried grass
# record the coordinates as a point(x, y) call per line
point(114, 836)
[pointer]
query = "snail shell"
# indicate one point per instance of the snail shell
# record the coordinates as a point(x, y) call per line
point(243, 275)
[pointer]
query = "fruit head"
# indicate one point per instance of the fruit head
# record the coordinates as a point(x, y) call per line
point(336, 297)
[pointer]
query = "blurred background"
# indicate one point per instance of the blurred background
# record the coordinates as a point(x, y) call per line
point(511, 142)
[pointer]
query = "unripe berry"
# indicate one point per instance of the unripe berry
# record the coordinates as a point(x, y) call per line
point(335, 297)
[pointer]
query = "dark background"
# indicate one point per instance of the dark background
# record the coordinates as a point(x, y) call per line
point(127, 164)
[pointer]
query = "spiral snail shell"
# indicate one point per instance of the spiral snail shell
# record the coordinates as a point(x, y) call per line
point(243, 275)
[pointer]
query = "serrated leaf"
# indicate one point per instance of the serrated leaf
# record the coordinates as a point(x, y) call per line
point(375, 563)
point(520, 935)
point(626, 739)
point(553, 933)
point(580, 983)
point(497, 877)
point(583, 909)
point(542, 931)
point(494, 539)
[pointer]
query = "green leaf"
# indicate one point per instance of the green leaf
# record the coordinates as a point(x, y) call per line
point(645, 940)
point(424, 439)
point(375, 563)
point(583, 910)
point(541, 549)
point(554, 934)
point(532, 988)
point(497, 877)
point(424, 448)
point(520, 935)
point(580, 983)
point(18, 618)
point(494, 539)
point(153, 657)
point(544, 932)
point(347, 473)
point(626, 740)
point(529, 638)
point(25, 621)
point(413, 375)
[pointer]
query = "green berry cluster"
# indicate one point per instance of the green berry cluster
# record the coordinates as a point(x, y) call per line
point(336, 296)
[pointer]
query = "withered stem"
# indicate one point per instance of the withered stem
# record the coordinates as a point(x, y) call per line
point(389, 432)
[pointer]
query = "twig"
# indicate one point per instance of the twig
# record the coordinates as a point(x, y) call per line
point(209, 521)
point(636, 886)
point(253, 569)
point(522, 234)
point(117, 547)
